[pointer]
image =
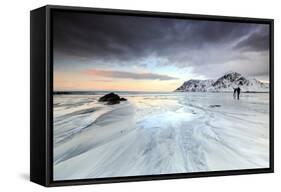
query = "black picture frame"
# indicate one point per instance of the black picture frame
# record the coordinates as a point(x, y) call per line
point(41, 104)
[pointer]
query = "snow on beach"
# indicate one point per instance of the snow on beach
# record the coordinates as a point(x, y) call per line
point(159, 134)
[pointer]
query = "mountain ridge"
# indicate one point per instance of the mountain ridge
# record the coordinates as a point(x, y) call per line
point(225, 83)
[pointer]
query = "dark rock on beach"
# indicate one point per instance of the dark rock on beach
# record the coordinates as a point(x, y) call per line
point(111, 99)
point(109, 96)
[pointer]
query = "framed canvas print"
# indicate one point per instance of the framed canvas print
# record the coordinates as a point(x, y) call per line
point(119, 95)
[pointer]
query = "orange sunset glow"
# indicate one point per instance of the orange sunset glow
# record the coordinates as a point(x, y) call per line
point(105, 80)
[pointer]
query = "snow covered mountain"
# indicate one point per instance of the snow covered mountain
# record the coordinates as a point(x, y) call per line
point(226, 83)
point(196, 86)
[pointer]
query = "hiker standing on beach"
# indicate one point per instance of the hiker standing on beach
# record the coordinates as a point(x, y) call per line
point(234, 92)
point(238, 92)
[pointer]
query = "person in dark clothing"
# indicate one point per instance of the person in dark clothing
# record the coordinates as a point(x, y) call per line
point(238, 92)
point(234, 92)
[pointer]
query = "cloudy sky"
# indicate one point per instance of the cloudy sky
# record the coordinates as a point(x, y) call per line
point(110, 52)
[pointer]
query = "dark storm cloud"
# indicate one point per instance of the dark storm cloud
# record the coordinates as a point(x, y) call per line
point(127, 75)
point(123, 37)
point(122, 40)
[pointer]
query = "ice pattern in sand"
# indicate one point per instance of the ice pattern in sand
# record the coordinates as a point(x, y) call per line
point(159, 134)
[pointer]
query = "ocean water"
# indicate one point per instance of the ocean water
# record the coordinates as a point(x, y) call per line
point(159, 133)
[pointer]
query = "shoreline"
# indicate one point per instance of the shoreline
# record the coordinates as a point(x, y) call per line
point(139, 92)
